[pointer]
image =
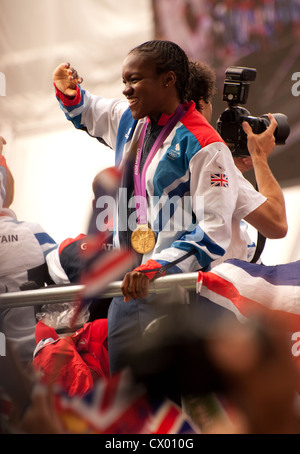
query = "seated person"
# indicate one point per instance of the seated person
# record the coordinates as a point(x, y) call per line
point(24, 247)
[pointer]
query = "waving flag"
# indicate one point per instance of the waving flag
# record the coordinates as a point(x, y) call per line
point(108, 267)
point(102, 265)
point(168, 418)
point(120, 406)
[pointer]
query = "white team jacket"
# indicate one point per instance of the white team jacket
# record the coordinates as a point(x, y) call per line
point(23, 248)
point(193, 165)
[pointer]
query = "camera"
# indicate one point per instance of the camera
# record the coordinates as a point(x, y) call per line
point(229, 124)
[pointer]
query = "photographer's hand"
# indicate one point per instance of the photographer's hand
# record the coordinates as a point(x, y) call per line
point(66, 79)
point(265, 140)
point(261, 145)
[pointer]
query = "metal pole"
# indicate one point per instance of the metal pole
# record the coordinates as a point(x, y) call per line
point(70, 293)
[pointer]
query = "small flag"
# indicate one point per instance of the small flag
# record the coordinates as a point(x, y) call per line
point(104, 269)
point(219, 180)
point(168, 418)
point(119, 406)
point(109, 267)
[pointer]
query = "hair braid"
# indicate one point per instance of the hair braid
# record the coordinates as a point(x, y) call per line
point(168, 56)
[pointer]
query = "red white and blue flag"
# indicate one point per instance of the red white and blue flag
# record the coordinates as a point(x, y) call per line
point(249, 288)
point(253, 290)
point(108, 267)
point(168, 418)
point(102, 266)
point(120, 406)
point(219, 180)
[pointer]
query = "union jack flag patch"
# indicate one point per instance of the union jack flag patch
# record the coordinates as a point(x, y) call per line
point(219, 179)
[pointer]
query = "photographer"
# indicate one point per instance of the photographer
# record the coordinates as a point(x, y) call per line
point(260, 146)
point(202, 87)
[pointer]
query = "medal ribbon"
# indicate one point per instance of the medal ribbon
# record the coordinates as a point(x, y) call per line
point(140, 179)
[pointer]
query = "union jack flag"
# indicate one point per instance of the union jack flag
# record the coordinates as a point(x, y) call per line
point(219, 179)
point(119, 406)
point(167, 418)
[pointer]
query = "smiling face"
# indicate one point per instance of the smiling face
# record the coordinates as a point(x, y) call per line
point(147, 92)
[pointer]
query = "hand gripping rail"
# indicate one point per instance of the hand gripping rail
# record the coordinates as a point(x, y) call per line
point(70, 293)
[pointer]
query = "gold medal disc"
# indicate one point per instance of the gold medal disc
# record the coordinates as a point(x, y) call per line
point(143, 239)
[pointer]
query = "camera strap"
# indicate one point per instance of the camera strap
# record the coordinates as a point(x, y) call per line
point(260, 244)
point(161, 270)
point(261, 240)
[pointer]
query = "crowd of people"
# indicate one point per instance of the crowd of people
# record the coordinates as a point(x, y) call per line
point(170, 160)
point(220, 31)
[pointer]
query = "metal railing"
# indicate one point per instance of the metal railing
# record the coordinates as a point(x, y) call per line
point(70, 293)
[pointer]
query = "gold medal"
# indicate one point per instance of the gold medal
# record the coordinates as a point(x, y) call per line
point(143, 239)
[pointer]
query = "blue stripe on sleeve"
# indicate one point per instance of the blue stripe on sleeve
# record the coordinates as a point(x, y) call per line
point(201, 240)
point(125, 131)
point(44, 238)
point(69, 109)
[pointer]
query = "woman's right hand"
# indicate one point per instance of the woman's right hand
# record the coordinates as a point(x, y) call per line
point(66, 79)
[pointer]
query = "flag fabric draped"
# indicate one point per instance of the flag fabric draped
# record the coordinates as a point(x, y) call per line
point(249, 288)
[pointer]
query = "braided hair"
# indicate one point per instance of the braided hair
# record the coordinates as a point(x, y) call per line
point(167, 56)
